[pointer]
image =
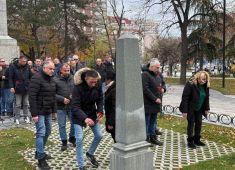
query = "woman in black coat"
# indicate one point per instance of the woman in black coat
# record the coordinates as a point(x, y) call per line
point(194, 104)
point(110, 99)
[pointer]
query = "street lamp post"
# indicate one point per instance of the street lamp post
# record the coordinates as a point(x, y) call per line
point(224, 17)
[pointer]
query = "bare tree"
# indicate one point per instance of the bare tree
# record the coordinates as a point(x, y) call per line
point(112, 31)
point(186, 14)
point(167, 50)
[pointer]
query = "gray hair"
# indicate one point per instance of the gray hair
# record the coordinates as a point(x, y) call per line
point(47, 63)
point(153, 61)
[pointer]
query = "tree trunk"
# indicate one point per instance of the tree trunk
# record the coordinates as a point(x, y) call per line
point(65, 29)
point(170, 69)
point(184, 53)
point(36, 40)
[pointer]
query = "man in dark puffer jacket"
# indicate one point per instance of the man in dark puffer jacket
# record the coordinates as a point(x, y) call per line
point(42, 100)
point(87, 109)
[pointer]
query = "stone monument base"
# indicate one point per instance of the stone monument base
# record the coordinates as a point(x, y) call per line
point(8, 48)
point(137, 156)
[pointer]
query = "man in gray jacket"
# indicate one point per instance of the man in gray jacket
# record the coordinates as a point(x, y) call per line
point(64, 86)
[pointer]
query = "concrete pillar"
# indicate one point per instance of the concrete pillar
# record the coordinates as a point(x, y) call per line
point(8, 45)
point(131, 152)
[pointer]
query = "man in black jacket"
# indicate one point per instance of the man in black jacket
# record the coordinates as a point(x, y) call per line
point(87, 109)
point(19, 77)
point(64, 86)
point(152, 99)
point(42, 100)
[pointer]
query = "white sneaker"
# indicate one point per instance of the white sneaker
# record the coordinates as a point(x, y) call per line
point(17, 122)
point(27, 120)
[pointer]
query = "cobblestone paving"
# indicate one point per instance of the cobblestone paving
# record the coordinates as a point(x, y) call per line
point(173, 154)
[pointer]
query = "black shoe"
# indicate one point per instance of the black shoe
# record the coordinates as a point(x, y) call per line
point(158, 132)
point(64, 145)
point(92, 159)
point(154, 141)
point(42, 164)
point(48, 157)
point(198, 142)
point(73, 141)
point(191, 143)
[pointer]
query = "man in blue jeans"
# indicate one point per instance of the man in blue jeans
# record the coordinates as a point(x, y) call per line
point(42, 100)
point(87, 109)
point(64, 86)
point(152, 99)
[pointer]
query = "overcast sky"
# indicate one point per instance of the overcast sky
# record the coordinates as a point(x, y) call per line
point(134, 7)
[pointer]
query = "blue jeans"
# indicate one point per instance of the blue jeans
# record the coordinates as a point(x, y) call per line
point(61, 119)
point(79, 139)
point(1, 94)
point(43, 128)
point(150, 120)
point(7, 101)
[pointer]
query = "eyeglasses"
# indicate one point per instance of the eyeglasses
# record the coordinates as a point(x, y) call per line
point(2, 61)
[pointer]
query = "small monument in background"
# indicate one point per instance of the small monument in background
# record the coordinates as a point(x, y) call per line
point(8, 45)
point(131, 152)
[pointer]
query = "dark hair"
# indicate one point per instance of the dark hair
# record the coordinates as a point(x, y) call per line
point(110, 75)
point(91, 73)
point(23, 57)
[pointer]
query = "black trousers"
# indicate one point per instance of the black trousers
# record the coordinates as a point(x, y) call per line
point(194, 123)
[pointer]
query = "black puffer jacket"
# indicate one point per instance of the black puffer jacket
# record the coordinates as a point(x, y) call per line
point(64, 89)
point(151, 90)
point(19, 77)
point(42, 94)
point(190, 98)
point(86, 101)
point(101, 70)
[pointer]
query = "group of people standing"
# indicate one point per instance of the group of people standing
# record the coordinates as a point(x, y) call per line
point(79, 97)
point(83, 95)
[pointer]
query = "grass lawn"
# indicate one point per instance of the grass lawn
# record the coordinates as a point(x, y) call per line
point(12, 141)
point(219, 134)
point(216, 84)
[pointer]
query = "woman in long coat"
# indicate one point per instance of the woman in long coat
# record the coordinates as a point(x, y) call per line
point(194, 104)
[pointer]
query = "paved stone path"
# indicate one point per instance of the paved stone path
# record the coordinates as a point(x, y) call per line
point(219, 103)
point(173, 154)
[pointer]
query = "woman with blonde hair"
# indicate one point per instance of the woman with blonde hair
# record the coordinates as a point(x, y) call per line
point(194, 104)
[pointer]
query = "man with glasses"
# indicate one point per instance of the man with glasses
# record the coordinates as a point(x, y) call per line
point(19, 77)
point(64, 86)
point(79, 65)
point(42, 100)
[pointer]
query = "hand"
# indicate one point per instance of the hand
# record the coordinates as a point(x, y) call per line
point(100, 115)
point(206, 112)
point(110, 127)
point(3, 77)
point(162, 90)
point(12, 90)
point(158, 101)
point(184, 114)
point(66, 101)
point(35, 119)
point(89, 122)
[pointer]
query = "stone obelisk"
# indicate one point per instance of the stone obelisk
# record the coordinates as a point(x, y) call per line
point(8, 45)
point(131, 152)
